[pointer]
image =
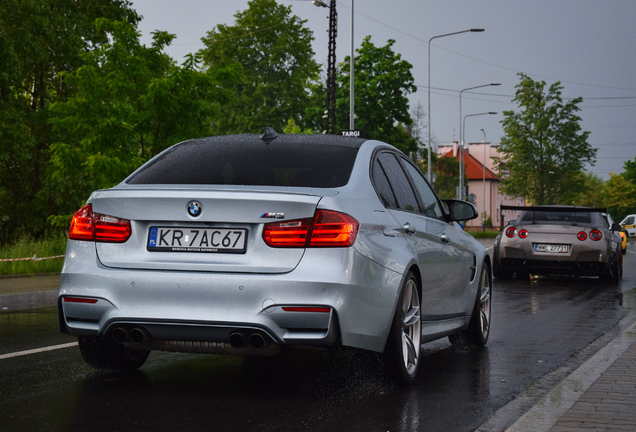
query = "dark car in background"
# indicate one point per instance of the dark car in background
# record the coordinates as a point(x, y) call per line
point(561, 241)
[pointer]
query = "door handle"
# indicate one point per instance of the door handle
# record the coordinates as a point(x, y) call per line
point(408, 228)
point(444, 239)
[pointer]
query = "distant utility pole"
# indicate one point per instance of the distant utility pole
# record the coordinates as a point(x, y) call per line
point(330, 123)
point(330, 113)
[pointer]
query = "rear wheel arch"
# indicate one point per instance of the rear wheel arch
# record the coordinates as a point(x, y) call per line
point(488, 262)
point(415, 270)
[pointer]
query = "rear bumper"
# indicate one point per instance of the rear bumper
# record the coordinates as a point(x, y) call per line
point(354, 299)
point(544, 267)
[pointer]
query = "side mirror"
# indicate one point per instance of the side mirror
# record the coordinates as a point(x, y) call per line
point(615, 227)
point(459, 211)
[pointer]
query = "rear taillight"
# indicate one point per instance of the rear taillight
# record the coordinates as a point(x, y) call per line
point(87, 225)
point(326, 229)
point(510, 232)
point(287, 234)
point(595, 235)
point(582, 235)
point(523, 234)
point(333, 229)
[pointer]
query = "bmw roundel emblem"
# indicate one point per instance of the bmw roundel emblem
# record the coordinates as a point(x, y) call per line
point(194, 208)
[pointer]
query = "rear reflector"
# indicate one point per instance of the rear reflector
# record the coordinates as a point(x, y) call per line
point(80, 300)
point(305, 309)
point(87, 225)
point(326, 229)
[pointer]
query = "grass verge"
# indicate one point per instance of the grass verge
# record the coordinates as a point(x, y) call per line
point(27, 248)
point(489, 233)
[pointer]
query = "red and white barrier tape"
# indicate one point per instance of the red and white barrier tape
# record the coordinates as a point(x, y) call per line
point(33, 258)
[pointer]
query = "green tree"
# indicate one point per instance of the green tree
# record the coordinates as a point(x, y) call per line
point(589, 191)
point(630, 170)
point(619, 196)
point(382, 82)
point(543, 147)
point(39, 40)
point(130, 102)
point(272, 49)
point(447, 177)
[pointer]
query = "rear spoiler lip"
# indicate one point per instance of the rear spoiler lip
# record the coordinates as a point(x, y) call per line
point(555, 209)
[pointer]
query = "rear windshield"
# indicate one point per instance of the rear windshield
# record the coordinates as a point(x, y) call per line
point(558, 216)
point(253, 164)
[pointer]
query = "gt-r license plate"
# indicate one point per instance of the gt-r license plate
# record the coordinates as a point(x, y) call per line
point(551, 248)
point(208, 240)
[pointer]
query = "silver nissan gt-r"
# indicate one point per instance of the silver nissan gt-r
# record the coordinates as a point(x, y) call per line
point(559, 240)
point(245, 244)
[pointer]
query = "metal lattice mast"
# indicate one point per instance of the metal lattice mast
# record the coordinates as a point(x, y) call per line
point(330, 123)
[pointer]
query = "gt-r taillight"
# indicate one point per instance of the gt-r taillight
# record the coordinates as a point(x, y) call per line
point(595, 235)
point(523, 234)
point(87, 225)
point(510, 232)
point(326, 229)
point(581, 235)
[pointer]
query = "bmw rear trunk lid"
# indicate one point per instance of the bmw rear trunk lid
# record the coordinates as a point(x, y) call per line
point(201, 230)
point(201, 205)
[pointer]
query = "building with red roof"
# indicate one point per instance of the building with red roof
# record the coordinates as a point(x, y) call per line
point(480, 169)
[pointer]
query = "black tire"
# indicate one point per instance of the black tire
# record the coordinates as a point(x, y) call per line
point(105, 354)
point(478, 330)
point(616, 270)
point(402, 352)
point(497, 271)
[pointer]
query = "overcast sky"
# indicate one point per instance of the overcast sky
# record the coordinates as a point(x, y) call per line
point(587, 45)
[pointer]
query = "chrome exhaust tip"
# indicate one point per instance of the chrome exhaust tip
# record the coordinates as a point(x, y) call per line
point(237, 340)
point(139, 335)
point(257, 341)
point(120, 335)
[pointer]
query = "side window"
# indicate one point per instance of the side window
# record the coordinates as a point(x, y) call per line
point(382, 186)
point(630, 221)
point(427, 196)
point(400, 185)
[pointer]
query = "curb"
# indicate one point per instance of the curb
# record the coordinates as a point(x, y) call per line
point(14, 302)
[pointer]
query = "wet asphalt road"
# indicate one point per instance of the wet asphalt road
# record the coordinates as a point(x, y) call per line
point(542, 330)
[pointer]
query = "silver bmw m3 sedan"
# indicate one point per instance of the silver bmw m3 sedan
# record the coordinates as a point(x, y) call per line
point(246, 244)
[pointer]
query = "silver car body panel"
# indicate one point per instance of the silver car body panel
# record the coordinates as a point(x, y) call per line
point(218, 293)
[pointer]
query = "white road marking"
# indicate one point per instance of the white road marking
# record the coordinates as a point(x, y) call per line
point(37, 350)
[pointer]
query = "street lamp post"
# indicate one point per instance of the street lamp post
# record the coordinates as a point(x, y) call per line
point(460, 147)
point(461, 194)
point(483, 216)
point(473, 30)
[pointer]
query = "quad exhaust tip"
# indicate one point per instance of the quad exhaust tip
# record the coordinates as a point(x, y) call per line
point(238, 340)
point(137, 335)
point(254, 340)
